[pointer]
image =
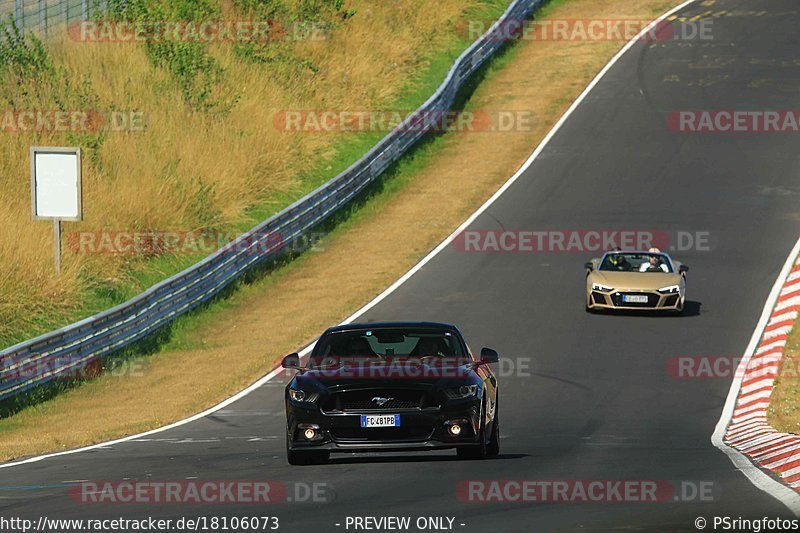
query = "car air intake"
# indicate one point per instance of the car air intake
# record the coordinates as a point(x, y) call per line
point(379, 400)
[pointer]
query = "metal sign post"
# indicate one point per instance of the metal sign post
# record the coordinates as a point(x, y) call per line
point(56, 189)
point(57, 244)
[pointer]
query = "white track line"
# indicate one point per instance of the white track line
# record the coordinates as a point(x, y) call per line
point(405, 277)
point(756, 475)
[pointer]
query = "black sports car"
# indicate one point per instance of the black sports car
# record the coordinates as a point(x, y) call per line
point(391, 386)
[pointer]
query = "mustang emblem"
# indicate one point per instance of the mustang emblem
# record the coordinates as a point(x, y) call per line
point(381, 401)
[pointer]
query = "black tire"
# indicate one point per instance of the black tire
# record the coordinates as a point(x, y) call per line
point(305, 457)
point(493, 448)
point(475, 451)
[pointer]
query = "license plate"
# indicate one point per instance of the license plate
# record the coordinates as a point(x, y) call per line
point(634, 298)
point(380, 421)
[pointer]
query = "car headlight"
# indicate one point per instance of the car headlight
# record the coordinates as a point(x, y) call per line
point(601, 287)
point(303, 396)
point(669, 290)
point(459, 393)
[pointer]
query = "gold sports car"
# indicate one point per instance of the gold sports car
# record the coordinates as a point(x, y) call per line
point(635, 281)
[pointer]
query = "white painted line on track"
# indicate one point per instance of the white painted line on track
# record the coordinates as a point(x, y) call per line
point(786, 495)
point(758, 477)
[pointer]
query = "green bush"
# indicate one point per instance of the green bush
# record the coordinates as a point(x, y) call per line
point(25, 54)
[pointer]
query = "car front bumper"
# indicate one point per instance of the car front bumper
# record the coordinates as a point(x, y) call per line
point(420, 429)
point(656, 301)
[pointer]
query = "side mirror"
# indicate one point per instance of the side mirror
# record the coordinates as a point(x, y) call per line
point(589, 265)
point(291, 361)
point(683, 269)
point(489, 356)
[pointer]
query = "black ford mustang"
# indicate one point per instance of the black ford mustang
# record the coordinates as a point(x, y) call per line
point(391, 386)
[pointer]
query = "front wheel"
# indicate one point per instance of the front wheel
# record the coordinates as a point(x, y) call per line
point(475, 451)
point(493, 448)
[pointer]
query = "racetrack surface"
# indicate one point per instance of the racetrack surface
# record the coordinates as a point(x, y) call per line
point(599, 403)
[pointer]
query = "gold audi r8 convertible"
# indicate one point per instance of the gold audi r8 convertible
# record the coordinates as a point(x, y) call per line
point(635, 281)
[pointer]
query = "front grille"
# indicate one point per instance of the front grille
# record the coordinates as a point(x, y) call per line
point(364, 400)
point(652, 299)
point(671, 300)
point(599, 298)
point(359, 405)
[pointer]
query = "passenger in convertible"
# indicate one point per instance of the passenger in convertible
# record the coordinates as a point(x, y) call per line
point(655, 262)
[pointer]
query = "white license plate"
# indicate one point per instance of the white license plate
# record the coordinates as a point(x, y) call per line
point(634, 298)
point(380, 421)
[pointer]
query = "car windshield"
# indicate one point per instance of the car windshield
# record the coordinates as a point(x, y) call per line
point(635, 262)
point(389, 344)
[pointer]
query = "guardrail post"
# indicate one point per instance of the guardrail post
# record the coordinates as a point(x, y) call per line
point(57, 245)
point(19, 16)
point(43, 17)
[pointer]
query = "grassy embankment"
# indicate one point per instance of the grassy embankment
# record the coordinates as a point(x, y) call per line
point(217, 352)
point(209, 158)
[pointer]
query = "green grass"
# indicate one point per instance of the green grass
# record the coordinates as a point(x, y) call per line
point(377, 197)
point(348, 150)
point(180, 333)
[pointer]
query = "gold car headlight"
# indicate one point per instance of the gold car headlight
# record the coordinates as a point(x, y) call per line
point(601, 287)
point(671, 289)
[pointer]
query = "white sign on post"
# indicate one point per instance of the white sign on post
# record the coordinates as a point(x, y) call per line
point(56, 188)
point(56, 183)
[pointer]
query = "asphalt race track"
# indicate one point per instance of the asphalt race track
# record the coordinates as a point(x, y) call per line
point(598, 402)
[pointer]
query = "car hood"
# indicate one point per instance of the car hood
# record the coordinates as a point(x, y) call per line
point(645, 281)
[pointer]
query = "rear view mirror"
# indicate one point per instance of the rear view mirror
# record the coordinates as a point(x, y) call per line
point(489, 356)
point(589, 265)
point(683, 269)
point(291, 361)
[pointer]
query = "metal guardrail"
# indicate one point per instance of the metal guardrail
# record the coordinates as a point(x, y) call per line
point(58, 353)
point(40, 16)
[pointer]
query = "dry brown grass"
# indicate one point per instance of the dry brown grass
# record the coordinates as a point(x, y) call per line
point(189, 170)
point(543, 77)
